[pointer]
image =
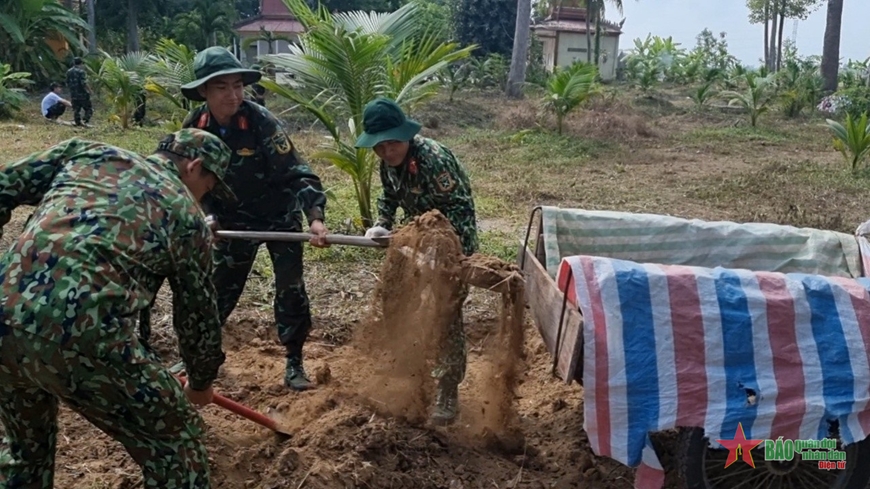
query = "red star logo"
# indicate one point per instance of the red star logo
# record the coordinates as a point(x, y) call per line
point(740, 445)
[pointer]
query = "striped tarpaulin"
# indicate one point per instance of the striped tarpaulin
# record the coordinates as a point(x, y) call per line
point(652, 238)
point(672, 345)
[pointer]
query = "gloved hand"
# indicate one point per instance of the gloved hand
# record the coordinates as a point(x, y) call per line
point(377, 232)
point(212, 222)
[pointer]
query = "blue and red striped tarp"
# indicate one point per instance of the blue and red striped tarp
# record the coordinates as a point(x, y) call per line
point(668, 346)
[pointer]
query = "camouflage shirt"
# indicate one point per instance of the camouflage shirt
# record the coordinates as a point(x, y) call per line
point(77, 82)
point(273, 183)
point(108, 226)
point(430, 178)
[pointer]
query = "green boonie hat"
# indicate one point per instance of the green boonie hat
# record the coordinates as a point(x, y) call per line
point(212, 62)
point(383, 120)
point(195, 143)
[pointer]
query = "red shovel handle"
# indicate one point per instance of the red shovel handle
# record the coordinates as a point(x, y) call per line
point(242, 410)
point(246, 412)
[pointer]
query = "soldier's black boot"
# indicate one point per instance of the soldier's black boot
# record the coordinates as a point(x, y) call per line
point(446, 405)
point(294, 376)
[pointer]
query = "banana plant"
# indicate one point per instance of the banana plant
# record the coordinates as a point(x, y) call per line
point(755, 97)
point(342, 61)
point(12, 95)
point(851, 139)
point(568, 88)
point(455, 77)
point(25, 28)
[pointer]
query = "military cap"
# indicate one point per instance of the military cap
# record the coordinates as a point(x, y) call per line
point(213, 62)
point(383, 120)
point(195, 143)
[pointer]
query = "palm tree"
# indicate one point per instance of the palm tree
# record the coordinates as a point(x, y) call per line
point(132, 26)
point(517, 74)
point(831, 48)
point(92, 32)
point(342, 61)
point(170, 67)
point(567, 88)
point(122, 82)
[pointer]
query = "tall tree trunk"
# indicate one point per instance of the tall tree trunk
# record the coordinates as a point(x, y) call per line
point(132, 26)
point(766, 31)
point(778, 63)
point(92, 34)
point(831, 49)
point(771, 49)
point(597, 37)
point(517, 74)
point(588, 34)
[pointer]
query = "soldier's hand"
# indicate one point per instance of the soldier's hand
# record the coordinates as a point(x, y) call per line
point(318, 229)
point(214, 225)
point(199, 398)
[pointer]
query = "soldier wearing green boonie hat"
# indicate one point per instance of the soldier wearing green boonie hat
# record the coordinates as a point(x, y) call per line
point(108, 227)
point(212, 63)
point(275, 189)
point(420, 174)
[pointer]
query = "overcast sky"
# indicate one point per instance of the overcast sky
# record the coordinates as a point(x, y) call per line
point(684, 19)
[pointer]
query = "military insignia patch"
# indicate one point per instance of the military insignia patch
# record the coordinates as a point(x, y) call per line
point(245, 152)
point(445, 182)
point(281, 142)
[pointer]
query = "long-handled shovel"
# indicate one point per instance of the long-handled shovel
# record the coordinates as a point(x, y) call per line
point(338, 239)
point(246, 412)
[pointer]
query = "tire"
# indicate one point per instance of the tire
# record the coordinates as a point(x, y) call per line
point(697, 473)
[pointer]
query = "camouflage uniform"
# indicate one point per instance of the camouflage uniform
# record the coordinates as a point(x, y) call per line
point(80, 98)
point(432, 178)
point(108, 226)
point(274, 186)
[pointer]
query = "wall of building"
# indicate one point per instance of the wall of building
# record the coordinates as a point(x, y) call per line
point(572, 46)
point(250, 55)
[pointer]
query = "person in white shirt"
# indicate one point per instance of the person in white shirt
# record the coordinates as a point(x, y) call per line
point(53, 106)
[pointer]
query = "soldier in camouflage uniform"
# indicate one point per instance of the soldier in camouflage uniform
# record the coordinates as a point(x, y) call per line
point(108, 226)
point(419, 174)
point(275, 187)
point(79, 92)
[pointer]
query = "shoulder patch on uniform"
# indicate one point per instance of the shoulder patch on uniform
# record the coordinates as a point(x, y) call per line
point(245, 152)
point(243, 123)
point(445, 182)
point(202, 123)
point(281, 142)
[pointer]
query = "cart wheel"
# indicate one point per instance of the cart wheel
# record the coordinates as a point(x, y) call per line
point(703, 467)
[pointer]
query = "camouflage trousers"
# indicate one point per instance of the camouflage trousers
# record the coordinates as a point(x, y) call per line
point(453, 356)
point(233, 262)
point(79, 105)
point(137, 403)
